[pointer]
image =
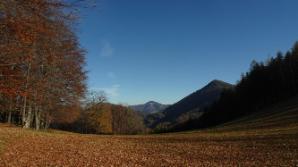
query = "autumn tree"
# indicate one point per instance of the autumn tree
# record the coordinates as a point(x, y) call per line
point(126, 121)
point(102, 117)
point(41, 61)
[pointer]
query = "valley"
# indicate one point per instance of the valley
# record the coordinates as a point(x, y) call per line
point(148, 83)
point(270, 140)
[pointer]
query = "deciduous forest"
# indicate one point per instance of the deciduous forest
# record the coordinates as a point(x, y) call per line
point(42, 77)
point(41, 63)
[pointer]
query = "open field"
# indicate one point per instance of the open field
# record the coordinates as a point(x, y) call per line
point(270, 141)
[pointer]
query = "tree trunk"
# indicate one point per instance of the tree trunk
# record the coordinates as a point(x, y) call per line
point(28, 120)
point(47, 121)
point(25, 97)
point(47, 124)
point(9, 111)
point(37, 118)
point(24, 111)
point(9, 117)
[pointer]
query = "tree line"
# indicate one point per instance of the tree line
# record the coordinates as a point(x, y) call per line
point(41, 62)
point(265, 84)
point(98, 116)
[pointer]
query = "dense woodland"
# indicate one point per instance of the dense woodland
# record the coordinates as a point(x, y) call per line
point(265, 84)
point(42, 77)
point(41, 62)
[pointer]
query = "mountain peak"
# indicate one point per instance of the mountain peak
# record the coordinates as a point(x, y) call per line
point(152, 102)
point(218, 84)
point(217, 81)
point(149, 107)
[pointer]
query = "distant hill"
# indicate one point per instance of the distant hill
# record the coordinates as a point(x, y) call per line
point(149, 107)
point(190, 106)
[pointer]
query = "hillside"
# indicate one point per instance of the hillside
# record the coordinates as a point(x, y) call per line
point(149, 107)
point(284, 114)
point(281, 114)
point(269, 138)
point(191, 104)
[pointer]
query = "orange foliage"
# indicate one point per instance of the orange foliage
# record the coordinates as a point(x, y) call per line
point(40, 58)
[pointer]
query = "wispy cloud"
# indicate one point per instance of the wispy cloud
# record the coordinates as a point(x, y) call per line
point(106, 49)
point(111, 92)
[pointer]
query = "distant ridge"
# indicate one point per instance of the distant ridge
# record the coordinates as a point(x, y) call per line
point(194, 102)
point(149, 107)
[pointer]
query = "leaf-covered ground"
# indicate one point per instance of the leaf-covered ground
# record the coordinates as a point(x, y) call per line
point(262, 139)
point(265, 147)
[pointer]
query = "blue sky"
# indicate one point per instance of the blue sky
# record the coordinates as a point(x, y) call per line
point(163, 50)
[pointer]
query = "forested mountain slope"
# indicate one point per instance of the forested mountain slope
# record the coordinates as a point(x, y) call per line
point(190, 105)
point(284, 114)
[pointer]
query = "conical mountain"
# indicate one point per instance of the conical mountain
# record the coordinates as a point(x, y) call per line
point(197, 101)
